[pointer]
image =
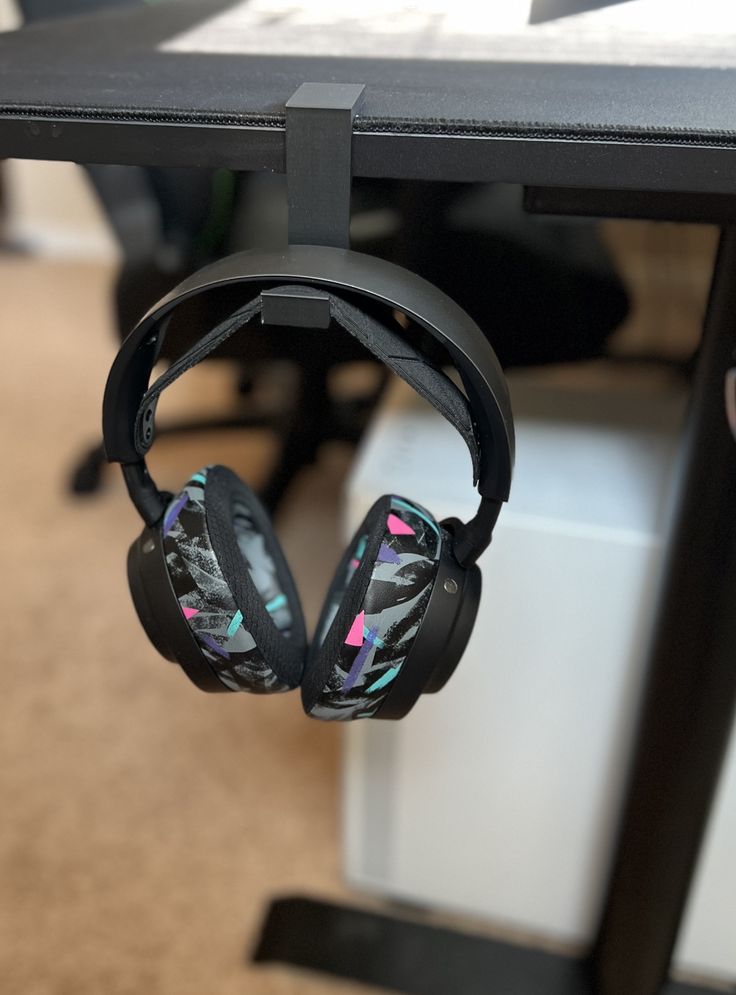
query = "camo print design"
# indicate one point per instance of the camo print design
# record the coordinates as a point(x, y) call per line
point(205, 598)
point(354, 563)
point(376, 646)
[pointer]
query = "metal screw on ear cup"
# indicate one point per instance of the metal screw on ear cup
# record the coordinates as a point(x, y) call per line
point(450, 586)
point(148, 546)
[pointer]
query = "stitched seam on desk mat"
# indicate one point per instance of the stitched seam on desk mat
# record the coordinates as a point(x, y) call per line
point(408, 126)
point(143, 115)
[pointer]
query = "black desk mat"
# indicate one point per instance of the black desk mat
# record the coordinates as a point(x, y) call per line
point(421, 118)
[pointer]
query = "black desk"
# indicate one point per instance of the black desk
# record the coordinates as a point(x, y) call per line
point(645, 141)
point(103, 90)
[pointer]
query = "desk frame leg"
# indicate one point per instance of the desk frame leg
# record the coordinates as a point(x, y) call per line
point(689, 704)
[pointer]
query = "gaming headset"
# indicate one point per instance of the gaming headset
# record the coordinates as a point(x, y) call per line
point(208, 578)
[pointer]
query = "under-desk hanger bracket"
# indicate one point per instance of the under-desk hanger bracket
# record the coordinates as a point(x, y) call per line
point(319, 174)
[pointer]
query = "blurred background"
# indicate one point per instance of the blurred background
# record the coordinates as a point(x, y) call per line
point(146, 826)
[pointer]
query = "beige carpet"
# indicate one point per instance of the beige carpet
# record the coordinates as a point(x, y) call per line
point(144, 825)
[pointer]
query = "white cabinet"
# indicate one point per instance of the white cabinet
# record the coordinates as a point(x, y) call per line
point(499, 796)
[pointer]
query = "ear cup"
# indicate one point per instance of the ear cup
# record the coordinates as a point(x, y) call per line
point(159, 612)
point(233, 584)
point(373, 611)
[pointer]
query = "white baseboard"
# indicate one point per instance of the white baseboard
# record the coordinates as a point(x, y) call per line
point(67, 243)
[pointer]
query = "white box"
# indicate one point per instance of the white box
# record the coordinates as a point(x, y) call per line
point(499, 796)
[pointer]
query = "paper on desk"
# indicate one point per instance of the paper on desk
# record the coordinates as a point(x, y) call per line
point(635, 32)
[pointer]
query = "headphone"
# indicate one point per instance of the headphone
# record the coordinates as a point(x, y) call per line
point(208, 578)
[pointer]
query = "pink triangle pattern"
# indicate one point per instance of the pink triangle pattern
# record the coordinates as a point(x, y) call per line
point(355, 636)
point(189, 612)
point(398, 528)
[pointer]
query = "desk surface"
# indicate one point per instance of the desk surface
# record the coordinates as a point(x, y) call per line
point(182, 83)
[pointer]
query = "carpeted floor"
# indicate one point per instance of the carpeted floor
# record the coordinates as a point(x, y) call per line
point(144, 825)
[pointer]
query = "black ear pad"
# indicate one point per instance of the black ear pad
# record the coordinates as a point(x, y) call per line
point(373, 611)
point(160, 614)
point(232, 583)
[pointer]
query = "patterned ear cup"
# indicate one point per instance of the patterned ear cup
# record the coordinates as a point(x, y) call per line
point(373, 611)
point(233, 584)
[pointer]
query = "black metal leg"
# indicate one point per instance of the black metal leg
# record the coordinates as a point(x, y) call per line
point(313, 422)
point(303, 435)
point(316, 419)
point(689, 704)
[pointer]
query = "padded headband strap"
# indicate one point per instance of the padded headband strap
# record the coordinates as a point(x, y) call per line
point(427, 380)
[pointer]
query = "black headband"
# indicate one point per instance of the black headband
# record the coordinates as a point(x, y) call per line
point(428, 381)
point(485, 424)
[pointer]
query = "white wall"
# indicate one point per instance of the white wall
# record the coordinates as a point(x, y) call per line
point(51, 206)
point(53, 210)
point(9, 17)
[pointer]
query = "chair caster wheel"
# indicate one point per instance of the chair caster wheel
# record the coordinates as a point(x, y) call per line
point(86, 478)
